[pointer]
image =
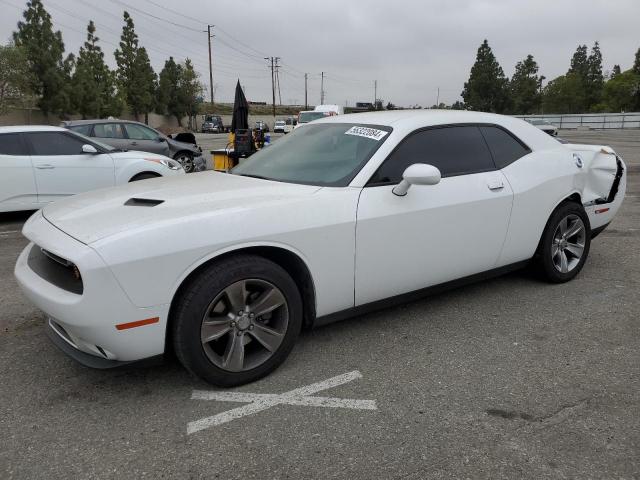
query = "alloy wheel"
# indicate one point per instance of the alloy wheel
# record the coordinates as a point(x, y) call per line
point(187, 162)
point(567, 247)
point(244, 325)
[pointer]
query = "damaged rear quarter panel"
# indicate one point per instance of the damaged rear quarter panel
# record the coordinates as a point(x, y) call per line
point(598, 172)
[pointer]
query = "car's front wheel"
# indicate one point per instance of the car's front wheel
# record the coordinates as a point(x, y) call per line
point(237, 320)
point(565, 243)
point(186, 160)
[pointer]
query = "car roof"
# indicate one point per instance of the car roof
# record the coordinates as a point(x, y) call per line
point(30, 128)
point(70, 123)
point(427, 117)
point(405, 121)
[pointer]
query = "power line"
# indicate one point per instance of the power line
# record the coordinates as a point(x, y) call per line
point(175, 12)
point(154, 16)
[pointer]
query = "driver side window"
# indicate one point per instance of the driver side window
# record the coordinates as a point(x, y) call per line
point(458, 150)
point(138, 132)
point(54, 143)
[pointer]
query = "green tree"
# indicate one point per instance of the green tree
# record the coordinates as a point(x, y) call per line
point(594, 81)
point(564, 94)
point(170, 99)
point(15, 77)
point(93, 83)
point(588, 67)
point(615, 71)
point(486, 89)
point(190, 89)
point(580, 62)
point(44, 50)
point(622, 92)
point(524, 87)
point(636, 63)
point(136, 78)
point(147, 82)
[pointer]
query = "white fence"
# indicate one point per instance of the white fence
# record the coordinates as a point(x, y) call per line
point(590, 120)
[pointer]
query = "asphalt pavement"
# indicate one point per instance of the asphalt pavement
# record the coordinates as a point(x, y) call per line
point(507, 378)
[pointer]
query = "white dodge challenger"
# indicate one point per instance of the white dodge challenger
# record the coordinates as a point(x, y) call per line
point(347, 213)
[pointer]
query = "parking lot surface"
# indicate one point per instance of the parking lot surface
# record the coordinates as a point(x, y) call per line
point(507, 378)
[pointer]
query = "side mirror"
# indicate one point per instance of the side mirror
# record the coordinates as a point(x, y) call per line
point(89, 149)
point(417, 174)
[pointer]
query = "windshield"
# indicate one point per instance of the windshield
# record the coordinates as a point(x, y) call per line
point(95, 143)
point(306, 117)
point(325, 154)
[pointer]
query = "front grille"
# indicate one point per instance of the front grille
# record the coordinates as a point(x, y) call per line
point(56, 270)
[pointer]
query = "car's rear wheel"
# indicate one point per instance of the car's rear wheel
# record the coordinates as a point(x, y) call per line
point(237, 320)
point(186, 160)
point(565, 243)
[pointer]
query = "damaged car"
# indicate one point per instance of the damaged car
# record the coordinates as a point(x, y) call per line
point(346, 215)
point(129, 135)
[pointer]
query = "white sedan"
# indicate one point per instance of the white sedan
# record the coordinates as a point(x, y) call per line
point(349, 213)
point(40, 164)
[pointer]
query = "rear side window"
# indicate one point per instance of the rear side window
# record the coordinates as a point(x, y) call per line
point(54, 143)
point(11, 144)
point(83, 129)
point(108, 130)
point(454, 150)
point(504, 147)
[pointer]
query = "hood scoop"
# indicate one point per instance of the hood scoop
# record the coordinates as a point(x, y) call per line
point(143, 202)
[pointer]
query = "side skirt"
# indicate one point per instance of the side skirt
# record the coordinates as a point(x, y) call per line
point(417, 294)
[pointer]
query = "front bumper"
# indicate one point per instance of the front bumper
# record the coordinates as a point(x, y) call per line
point(199, 163)
point(64, 343)
point(89, 319)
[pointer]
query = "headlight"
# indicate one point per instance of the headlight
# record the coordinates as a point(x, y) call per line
point(170, 164)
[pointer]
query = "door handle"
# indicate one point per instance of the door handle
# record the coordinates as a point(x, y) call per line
point(134, 143)
point(45, 166)
point(495, 185)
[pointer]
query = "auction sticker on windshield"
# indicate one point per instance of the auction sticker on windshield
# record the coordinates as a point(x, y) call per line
point(372, 133)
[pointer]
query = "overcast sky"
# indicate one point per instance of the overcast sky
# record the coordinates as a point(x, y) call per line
point(411, 47)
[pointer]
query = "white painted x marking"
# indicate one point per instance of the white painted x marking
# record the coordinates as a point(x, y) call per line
point(257, 402)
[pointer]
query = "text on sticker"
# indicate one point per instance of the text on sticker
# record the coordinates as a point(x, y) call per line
point(372, 133)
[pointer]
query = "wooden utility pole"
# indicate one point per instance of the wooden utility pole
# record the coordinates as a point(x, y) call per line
point(210, 63)
point(277, 67)
point(322, 88)
point(273, 60)
point(375, 94)
point(306, 103)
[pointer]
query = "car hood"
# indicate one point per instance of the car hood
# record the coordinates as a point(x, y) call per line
point(135, 154)
point(96, 215)
point(182, 145)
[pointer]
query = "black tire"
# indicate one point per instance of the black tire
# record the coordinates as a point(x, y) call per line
point(549, 248)
point(143, 176)
point(195, 300)
point(186, 160)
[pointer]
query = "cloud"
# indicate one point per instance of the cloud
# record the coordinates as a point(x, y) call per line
point(410, 47)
